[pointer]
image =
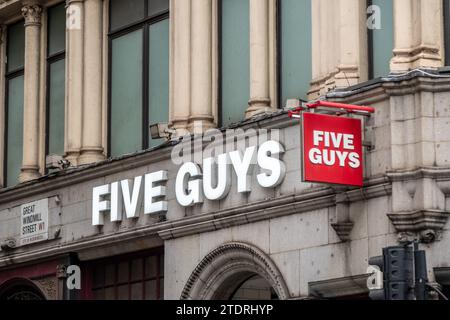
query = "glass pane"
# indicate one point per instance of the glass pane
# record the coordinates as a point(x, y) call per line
point(151, 264)
point(110, 274)
point(383, 39)
point(123, 272)
point(126, 94)
point(98, 294)
point(161, 289)
point(16, 46)
point(159, 75)
point(56, 107)
point(136, 291)
point(99, 277)
point(124, 13)
point(157, 6)
point(56, 29)
point(150, 290)
point(136, 269)
point(161, 265)
point(14, 122)
point(110, 294)
point(235, 60)
point(122, 292)
point(296, 49)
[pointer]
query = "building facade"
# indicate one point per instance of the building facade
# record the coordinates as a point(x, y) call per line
point(87, 190)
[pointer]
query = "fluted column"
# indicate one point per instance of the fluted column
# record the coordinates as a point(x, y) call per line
point(31, 11)
point(201, 62)
point(2, 98)
point(74, 80)
point(417, 35)
point(259, 58)
point(181, 67)
point(92, 149)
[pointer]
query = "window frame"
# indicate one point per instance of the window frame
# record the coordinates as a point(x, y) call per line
point(279, 58)
point(370, 46)
point(128, 258)
point(49, 60)
point(446, 9)
point(9, 75)
point(144, 25)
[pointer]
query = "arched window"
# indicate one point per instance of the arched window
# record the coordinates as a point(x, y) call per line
point(20, 289)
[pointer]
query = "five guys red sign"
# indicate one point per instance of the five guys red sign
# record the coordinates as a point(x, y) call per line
point(332, 150)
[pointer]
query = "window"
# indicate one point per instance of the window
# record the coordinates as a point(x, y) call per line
point(234, 60)
point(139, 73)
point(295, 57)
point(14, 102)
point(133, 277)
point(447, 31)
point(381, 41)
point(56, 46)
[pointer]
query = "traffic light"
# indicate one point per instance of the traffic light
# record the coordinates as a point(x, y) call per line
point(399, 274)
point(375, 282)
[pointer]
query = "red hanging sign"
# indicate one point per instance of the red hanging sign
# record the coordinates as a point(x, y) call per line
point(332, 150)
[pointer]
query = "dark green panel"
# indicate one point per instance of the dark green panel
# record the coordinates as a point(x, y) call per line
point(296, 56)
point(16, 46)
point(56, 29)
point(126, 94)
point(235, 60)
point(56, 107)
point(159, 75)
point(383, 39)
point(123, 13)
point(157, 6)
point(14, 142)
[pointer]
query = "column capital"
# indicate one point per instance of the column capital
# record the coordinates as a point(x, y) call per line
point(2, 33)
point(32, 14)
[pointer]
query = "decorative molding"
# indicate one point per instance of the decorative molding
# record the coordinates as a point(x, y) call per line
point(231, 260)
point(32, 14)
point(426, 224)
point(343, 230)
point(48, 286)
point(61, 271)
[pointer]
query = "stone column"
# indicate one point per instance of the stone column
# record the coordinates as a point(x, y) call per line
point(339, 45)
point(91, 148)
point(2, 98)
point(74, 80)
point(180, 43)
point(31, 11)
point(259, 58)
point(201, 63)
point(418, 35)
point(352, 66)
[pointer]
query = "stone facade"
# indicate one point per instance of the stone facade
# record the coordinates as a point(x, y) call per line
point(306, 240)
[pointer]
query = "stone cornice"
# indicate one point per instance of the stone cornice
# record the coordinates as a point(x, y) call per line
point(81, 174)
point(313, 200)
point(438, 173)
point(397, 85)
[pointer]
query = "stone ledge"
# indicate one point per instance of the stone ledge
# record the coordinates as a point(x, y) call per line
point(426, 224)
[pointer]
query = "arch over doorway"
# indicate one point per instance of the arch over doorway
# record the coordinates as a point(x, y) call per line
point(20, 289)
point(225, 269)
